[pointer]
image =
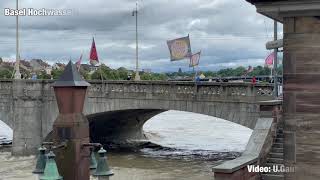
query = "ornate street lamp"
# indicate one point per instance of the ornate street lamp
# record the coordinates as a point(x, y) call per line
point(71, 134)
point(71, 126)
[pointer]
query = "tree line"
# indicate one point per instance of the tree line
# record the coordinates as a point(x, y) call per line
point(106, 73)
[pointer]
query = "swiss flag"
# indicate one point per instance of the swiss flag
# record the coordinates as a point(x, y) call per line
point(93, 54)
point(269, 60)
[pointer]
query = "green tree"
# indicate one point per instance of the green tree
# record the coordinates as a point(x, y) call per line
point(43, 75)
point(239, 71)
point(160, 76)
point(153, 76)
point(260, 71)
point(96, 75)
point(56, 73)
point(122, 73)
point(105, 73)
point(146, 76)
point(5, 74)
point(225, 72)
point(85, 74)
point(210, 74)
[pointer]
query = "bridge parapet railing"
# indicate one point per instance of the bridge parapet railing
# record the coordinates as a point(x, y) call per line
point(180, 90)
point(6, 87)
point(174, 90)
point(25, 89)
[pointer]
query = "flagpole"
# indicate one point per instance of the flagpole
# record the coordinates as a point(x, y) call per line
point(275, 62)
point(101, 73)
point(137, 76)
point(17, 74)
point(196, 70)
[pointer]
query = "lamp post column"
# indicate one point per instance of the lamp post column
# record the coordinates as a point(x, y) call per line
point(17, 74)
point(137, 76)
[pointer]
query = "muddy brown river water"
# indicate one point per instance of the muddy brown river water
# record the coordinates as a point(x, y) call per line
point(126, 166)
point(195, 144)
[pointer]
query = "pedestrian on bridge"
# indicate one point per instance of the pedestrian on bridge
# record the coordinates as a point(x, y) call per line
point(253, 80)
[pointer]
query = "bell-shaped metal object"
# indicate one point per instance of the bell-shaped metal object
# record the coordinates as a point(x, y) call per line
point(93, 161)
point(102, 167)
point(41, 161)
point(51, 170)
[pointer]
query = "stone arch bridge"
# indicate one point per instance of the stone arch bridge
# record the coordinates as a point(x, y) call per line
point(118, 109)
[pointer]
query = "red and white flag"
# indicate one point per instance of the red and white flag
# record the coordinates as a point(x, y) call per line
point(269, 60)
point(78, 63)
point(93, 54)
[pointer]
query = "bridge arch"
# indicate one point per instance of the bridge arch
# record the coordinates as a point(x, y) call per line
point(6, 115)
point(121, 127)
point(6, 133)
point(243, 113)
point(123, 124)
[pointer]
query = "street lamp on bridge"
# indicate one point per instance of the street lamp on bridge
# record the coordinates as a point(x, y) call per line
point(17, 74)
point(135, 13)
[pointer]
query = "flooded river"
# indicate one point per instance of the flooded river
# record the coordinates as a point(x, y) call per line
point(193, 144)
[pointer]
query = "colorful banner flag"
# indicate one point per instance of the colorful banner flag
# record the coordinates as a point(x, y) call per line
point(269, 60)
point(78, 63)
point(194, 59)
point(93, 54)
point(179, 48)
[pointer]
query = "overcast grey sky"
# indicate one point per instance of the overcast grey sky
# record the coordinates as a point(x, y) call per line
point(228, 32)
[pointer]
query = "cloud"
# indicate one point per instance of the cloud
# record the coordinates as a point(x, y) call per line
point(229, 33)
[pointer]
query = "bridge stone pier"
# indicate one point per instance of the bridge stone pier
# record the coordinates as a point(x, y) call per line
point(301, 67)
point(117, 110)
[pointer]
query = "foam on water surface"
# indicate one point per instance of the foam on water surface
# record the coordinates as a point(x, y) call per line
point(190, 131)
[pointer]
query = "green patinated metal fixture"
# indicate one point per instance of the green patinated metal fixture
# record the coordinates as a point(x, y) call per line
point(51, 170)
point(41, 161)
point(93, 161)
point(103, 168)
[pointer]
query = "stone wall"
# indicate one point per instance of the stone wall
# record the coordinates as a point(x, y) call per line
point(241, 173)
point(270, 109)
point(301, 96)
point(258, 147)
point(255, 153)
